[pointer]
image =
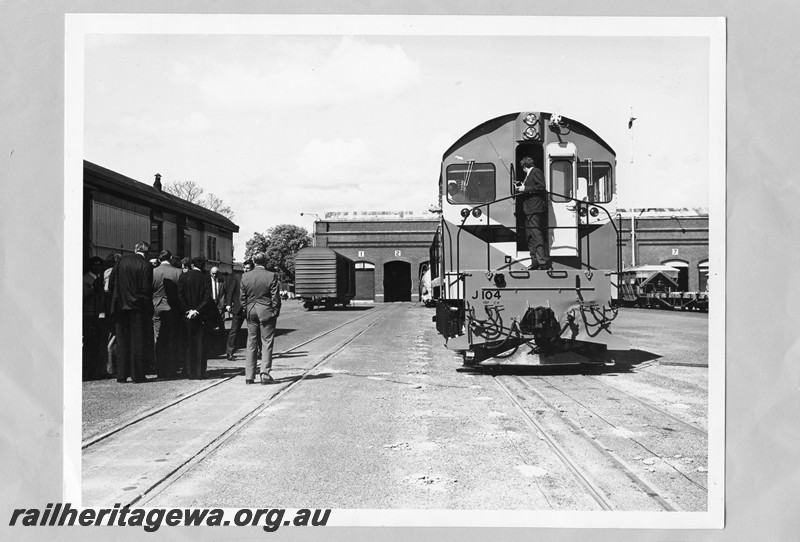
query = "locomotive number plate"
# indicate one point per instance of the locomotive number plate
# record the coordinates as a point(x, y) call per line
point(486, 294)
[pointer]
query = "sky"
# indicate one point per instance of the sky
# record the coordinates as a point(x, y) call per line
point(278, 125)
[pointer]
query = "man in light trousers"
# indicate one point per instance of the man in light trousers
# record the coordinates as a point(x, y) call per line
point(261, 302)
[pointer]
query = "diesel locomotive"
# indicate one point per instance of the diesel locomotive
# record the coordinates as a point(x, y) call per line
point(490, 308)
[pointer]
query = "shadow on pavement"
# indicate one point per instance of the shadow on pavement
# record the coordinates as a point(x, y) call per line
point(292, 354)
point(295, 378)
point(221, 372)
point(351, 308)
point(626, 361)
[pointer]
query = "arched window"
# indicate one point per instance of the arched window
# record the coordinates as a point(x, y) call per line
point(365, 265)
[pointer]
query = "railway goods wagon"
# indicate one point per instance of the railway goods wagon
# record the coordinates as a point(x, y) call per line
point(656, 286)
point(323, 277)
point(491, 307)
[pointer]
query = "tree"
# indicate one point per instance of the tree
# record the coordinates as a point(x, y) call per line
point(217, 205)
point(280, 244)
point(193, 192)
point(186, 190)
point(257, 243)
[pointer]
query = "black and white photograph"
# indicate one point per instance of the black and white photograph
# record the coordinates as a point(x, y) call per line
point(455, 264)
point(398, 270)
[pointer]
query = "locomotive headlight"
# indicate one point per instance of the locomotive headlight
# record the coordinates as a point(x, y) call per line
point(530, 119)
point(464, 212)
point(593, 211)
point(582, 211)
point(476, 213)
point(531, 132)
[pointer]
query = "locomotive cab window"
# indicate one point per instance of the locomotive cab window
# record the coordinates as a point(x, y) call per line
point(595, 183)
point(561, 180)
point(471, 183)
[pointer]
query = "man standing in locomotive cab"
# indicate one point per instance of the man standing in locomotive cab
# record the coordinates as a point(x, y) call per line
point(534, 204)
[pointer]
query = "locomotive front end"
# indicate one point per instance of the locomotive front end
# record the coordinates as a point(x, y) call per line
point(538, 318)
point(494, 306)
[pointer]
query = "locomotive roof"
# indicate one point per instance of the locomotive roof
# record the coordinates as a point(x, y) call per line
point(496, 122)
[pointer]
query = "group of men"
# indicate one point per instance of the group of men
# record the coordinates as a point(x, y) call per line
point(170, 316)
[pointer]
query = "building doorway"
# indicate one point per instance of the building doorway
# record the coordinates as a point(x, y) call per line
point(365, 281)
point(396, 281)
point(683, 273)
point(702, 275)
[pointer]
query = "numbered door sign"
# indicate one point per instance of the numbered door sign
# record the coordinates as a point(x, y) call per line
point(674, 251)
point(360, 253)
point(397, 253)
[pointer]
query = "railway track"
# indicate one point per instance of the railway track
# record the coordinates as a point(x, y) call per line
point(94, 439)
point(647, 404)
point(581, 442)
point(625, 457)
point(153, 445)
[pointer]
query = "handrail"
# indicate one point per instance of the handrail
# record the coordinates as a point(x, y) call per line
point(588, 204)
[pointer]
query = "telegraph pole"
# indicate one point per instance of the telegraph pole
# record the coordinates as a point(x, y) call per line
point(313, 227)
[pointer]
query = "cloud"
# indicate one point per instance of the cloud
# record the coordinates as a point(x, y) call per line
point(193, 123)
point(182, 72)
point(337, 175)
point(334, 162)
point(439, 143)
point(351, 72)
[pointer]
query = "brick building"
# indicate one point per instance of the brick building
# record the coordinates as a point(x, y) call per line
point(389, 248)
point(673, 237)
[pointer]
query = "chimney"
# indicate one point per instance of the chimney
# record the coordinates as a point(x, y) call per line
point(157, 184)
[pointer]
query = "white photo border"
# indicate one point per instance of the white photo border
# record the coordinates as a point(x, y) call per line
point(78, 25)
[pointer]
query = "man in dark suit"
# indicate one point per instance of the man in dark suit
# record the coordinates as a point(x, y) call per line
point(233, 304)
point(534, 205)
point(217, 288)
point(93, 315)
point(131, 286)
point(166, 315)
point(195, 299)
point(260, 297)
point(215, 329)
